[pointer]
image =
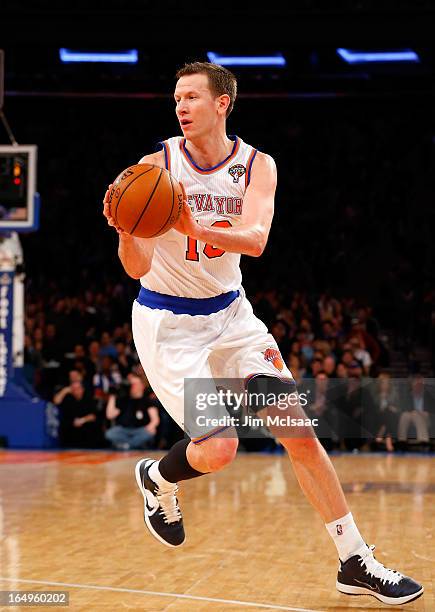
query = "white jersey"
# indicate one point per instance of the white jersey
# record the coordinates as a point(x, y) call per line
point(185, 267)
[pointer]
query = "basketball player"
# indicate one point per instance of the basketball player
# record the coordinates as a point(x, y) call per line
point(192, 319)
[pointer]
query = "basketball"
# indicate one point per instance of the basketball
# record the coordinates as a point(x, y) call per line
point(145, 200)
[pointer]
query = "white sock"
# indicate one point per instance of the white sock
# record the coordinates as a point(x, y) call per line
point(155, 475)
point(346, 536)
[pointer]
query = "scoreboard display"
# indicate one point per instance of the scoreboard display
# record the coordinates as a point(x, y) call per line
point(18, 187)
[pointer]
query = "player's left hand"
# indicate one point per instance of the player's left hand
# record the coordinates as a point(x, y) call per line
point(108, 214)
point(186, 224)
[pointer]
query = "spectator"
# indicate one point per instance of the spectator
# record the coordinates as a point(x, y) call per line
point(78, 360)
point(328, 331)
point(107, 348)
point(420, 407)
point(94, 356)
point(305, 326)
point(75, 376)
point(306, 347)
point(294, 367)
point(354, 409)
point(321, 348)
point(106, 381)
point(32, 359)
point(78, 419)
point(361, 354)
point(366, 340)
point(328, 307)
point(280, 331)
point(295, 348)
point(386, 407)
point(52, 351)
point(341, 371)
point(329, 366)
point(124, 360)
point(347, 358)
point(315, 368)
point(326, 409)
point(136, 420)
point(319, 405)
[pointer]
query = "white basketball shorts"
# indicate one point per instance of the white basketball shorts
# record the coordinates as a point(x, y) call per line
point(230, 343)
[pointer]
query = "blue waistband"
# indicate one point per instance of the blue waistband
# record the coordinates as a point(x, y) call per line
point(182, 305)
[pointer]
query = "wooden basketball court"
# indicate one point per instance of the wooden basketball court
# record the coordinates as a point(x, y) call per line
point(73, 521)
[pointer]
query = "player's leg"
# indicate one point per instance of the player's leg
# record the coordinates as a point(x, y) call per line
point(213, 454)
point(168, 355)
point(247, 343)
point(188, 459)
point(158, 482)
point(318, 478)
point(313, 468)
point(360, 572)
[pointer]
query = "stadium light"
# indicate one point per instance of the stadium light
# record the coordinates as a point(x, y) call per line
point(246, 60)
point(123, 57)
point(365, 57)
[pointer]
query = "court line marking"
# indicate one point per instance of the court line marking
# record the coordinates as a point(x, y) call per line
point(432, 560)
point(250, 604)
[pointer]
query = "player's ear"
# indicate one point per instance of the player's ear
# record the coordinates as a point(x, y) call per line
point(223, 104)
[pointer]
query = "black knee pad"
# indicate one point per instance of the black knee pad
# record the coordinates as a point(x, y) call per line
point(262, 390)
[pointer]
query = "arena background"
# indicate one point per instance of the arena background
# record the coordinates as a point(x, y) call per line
point(352, 233)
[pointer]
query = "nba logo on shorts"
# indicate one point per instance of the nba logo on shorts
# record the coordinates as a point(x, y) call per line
point(339, 530)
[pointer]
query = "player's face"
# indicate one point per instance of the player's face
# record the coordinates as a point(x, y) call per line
point(198, 110)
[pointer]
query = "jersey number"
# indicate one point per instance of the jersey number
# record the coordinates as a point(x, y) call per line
point(210, 251)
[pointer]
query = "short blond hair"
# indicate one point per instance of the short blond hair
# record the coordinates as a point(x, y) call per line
point(221, 80)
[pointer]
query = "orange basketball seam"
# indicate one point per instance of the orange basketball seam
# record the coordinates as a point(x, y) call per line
point(122, 194)
point(148, 202)
point(172, 207)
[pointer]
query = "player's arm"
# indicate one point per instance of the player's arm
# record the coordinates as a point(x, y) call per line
point(250, 237)
point(136, 254)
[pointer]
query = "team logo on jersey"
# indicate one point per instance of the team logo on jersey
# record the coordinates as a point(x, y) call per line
point(273, 355)
point(236, 172)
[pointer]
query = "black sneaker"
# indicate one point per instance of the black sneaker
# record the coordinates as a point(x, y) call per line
point(162, 515)
point(363, 575)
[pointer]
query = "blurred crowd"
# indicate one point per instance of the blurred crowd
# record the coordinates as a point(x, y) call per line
point(79, 354)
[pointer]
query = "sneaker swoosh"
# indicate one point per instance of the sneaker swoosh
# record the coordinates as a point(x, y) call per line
point(150, 509)
point(368, 586)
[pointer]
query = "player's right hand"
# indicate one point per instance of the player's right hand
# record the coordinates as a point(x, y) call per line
point(107, 213)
